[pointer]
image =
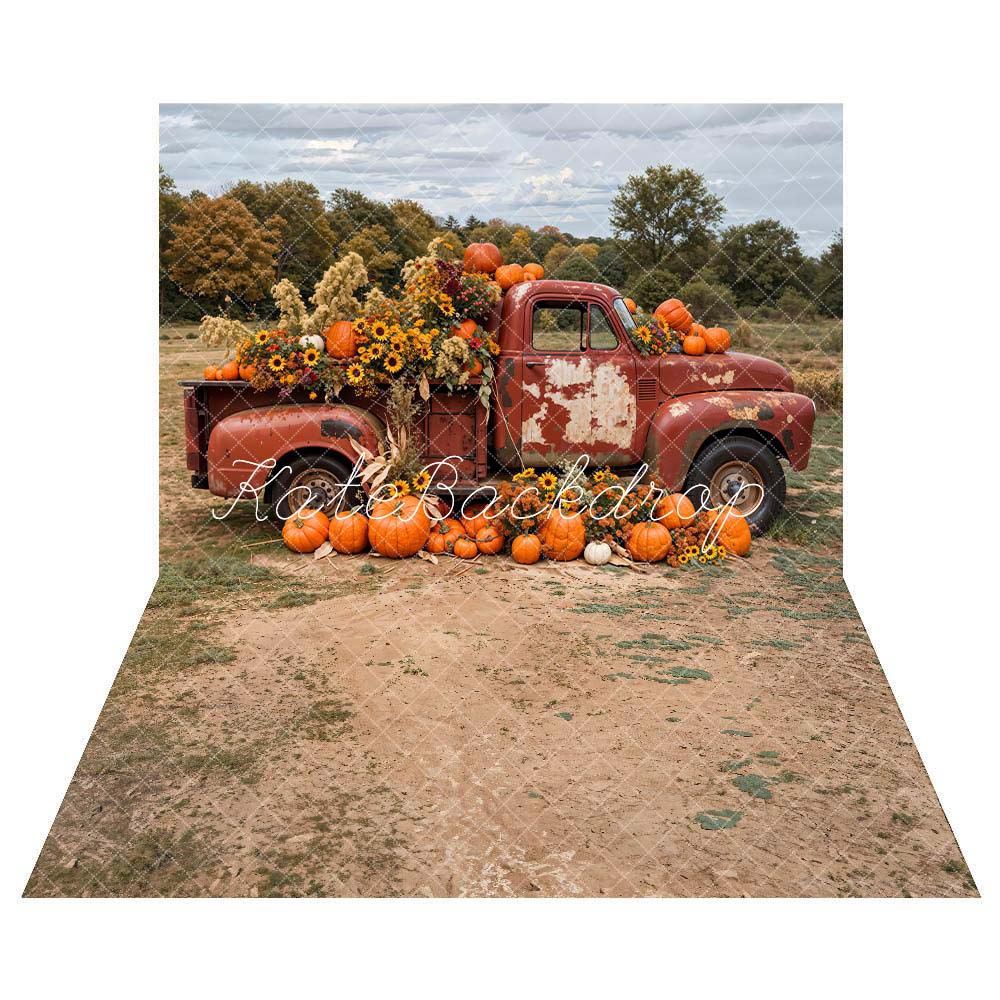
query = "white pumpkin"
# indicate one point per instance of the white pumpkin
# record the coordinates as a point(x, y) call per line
point(315, 340)
point(597, 553)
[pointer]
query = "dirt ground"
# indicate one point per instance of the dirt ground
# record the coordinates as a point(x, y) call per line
point(360, 726)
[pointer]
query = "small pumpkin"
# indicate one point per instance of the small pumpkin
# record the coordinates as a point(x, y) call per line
point(475, 367)
point(534, 271)
point(675, 315)
point(341, 340)
point(697, 330)
point(312, 340)
point(733, 530)
point(694, 346)
point(597, 553)
point(210, 373)
point(717, 339)
point(631, 306)
point(465, 548)
point(482, 257)
point(444, 535)
point(306, 531)
point(247, 372)
point(649, 541)
point(466, 329)
point(526, 549)
point(509, 275)
point(675, 511)
point(229, 372)
point(399, 527)
point(349, 532)
point(563, 536)
point(473, 521)
point(489, 541)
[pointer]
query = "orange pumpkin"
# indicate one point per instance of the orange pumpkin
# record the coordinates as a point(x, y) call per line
point(630, 305)
point(482, 257)
point(466, 329)
point(509, 275)
point(697, 330)
point(717, 339)
point(399, 527)
point(526, 549)
point(475, 367)
point(444, 535)
point(563, 536)
point(733, 530)
point(349, 532)
point(675, 511)
point(306, 531)
point(465, 548)
point(649, 541)
point(534, 271)
point(473, 521)
point(693, 345)
point(210, 373)
point(247, 372)
point(341, 340)
point(229, 371)
point(675, 315)
point(489, 541)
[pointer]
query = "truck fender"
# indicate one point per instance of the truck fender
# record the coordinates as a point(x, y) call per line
point(681, 427)
point(245, 449)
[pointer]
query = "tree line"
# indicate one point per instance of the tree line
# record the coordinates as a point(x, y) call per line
point(224, 253)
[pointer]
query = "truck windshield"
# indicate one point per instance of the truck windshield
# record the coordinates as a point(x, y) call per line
point(624, 315)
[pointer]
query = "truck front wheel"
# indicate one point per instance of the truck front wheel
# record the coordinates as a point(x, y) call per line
point(313, 480)
point(744, 472)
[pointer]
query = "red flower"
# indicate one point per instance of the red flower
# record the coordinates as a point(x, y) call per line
point(475, 343)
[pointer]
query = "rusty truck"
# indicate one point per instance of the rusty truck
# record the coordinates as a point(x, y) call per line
point(568, 382)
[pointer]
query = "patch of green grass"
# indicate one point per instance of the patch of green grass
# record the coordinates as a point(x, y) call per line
point(718, 819)
point(736, 732)
point(755, 785)
point(564, 715)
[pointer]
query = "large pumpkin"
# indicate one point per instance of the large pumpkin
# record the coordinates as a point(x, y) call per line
point(444, 535)
point(509, 275)
point(349, 532)
point(675, 511)
point(341, 341)
point(399, 527)
point(716, 339)
point(526, 549)
point(483, 257)
point(649, 541)
point(733, 530)
point(306, 531)
point(675, 315)
point(563, 536)
point(534, 271)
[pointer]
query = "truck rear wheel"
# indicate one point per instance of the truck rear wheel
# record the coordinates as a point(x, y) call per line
point(313, 480)
point(744, 472)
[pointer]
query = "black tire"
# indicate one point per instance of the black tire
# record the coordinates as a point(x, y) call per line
point(324, 470)
point(719, 467)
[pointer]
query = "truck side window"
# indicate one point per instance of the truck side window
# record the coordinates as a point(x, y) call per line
point(602, 334)
point(558, 326)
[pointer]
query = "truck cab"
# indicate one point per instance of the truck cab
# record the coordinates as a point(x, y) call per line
point(569, 382)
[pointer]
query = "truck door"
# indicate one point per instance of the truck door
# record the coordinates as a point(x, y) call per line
point(578, 380)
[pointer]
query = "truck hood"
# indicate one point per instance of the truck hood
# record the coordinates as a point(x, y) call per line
point(680, 374)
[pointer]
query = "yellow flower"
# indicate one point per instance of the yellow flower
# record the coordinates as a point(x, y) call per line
point(375, 351)
point(684, 559)
point(355, 374)
point(402, 487)
point(721, 550)
point(711, 552)
point(276, 363)
point(524, 474)
point(263, 337)
point(380, 331)
point(420, 322)
point(599, 476)
point(312, 395)
point(547, 481)
point(398, 342)
point(310, 357)
point(393, 362)
point(702, 560)
point(421, 481)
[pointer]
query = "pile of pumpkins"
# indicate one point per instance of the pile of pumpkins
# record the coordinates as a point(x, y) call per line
point(487, 259)
point(401, 527)
point(696, 339)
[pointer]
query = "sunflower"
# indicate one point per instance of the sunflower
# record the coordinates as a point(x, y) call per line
point(547, 482)
point(721, 550)
point(380, 331)
point(683, 559)
point(393, 362)
point(425, 353)
point(310, 356)
point(312, 395)
point(263, 337)
point(355, 374)
point(702, 560)
point(398, 341)
point(599, 476)
point(375, 351)
point(276, 363)
point(402, 488)
point(421, 481)
point(711, 551)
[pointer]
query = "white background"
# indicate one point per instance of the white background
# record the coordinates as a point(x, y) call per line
point(79, 368)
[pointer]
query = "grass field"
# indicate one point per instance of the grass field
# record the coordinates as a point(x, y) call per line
point(356, 726)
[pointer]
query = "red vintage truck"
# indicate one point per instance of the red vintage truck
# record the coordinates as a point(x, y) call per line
point(568, 382)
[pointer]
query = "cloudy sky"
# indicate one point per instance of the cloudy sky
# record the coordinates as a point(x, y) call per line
point(541, 163)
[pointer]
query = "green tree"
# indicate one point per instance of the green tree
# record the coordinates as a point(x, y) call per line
point(759, 260)
point(665, 211)
point(348, 212)
point(307, 241)
point(653, 287)
point(828, 280)
point(414, 228)
point(710, 303)
point(375, 246)
point(221, 254)
point(556, 255)
point(174, 304)
point(610, 264)
point(576, 267)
